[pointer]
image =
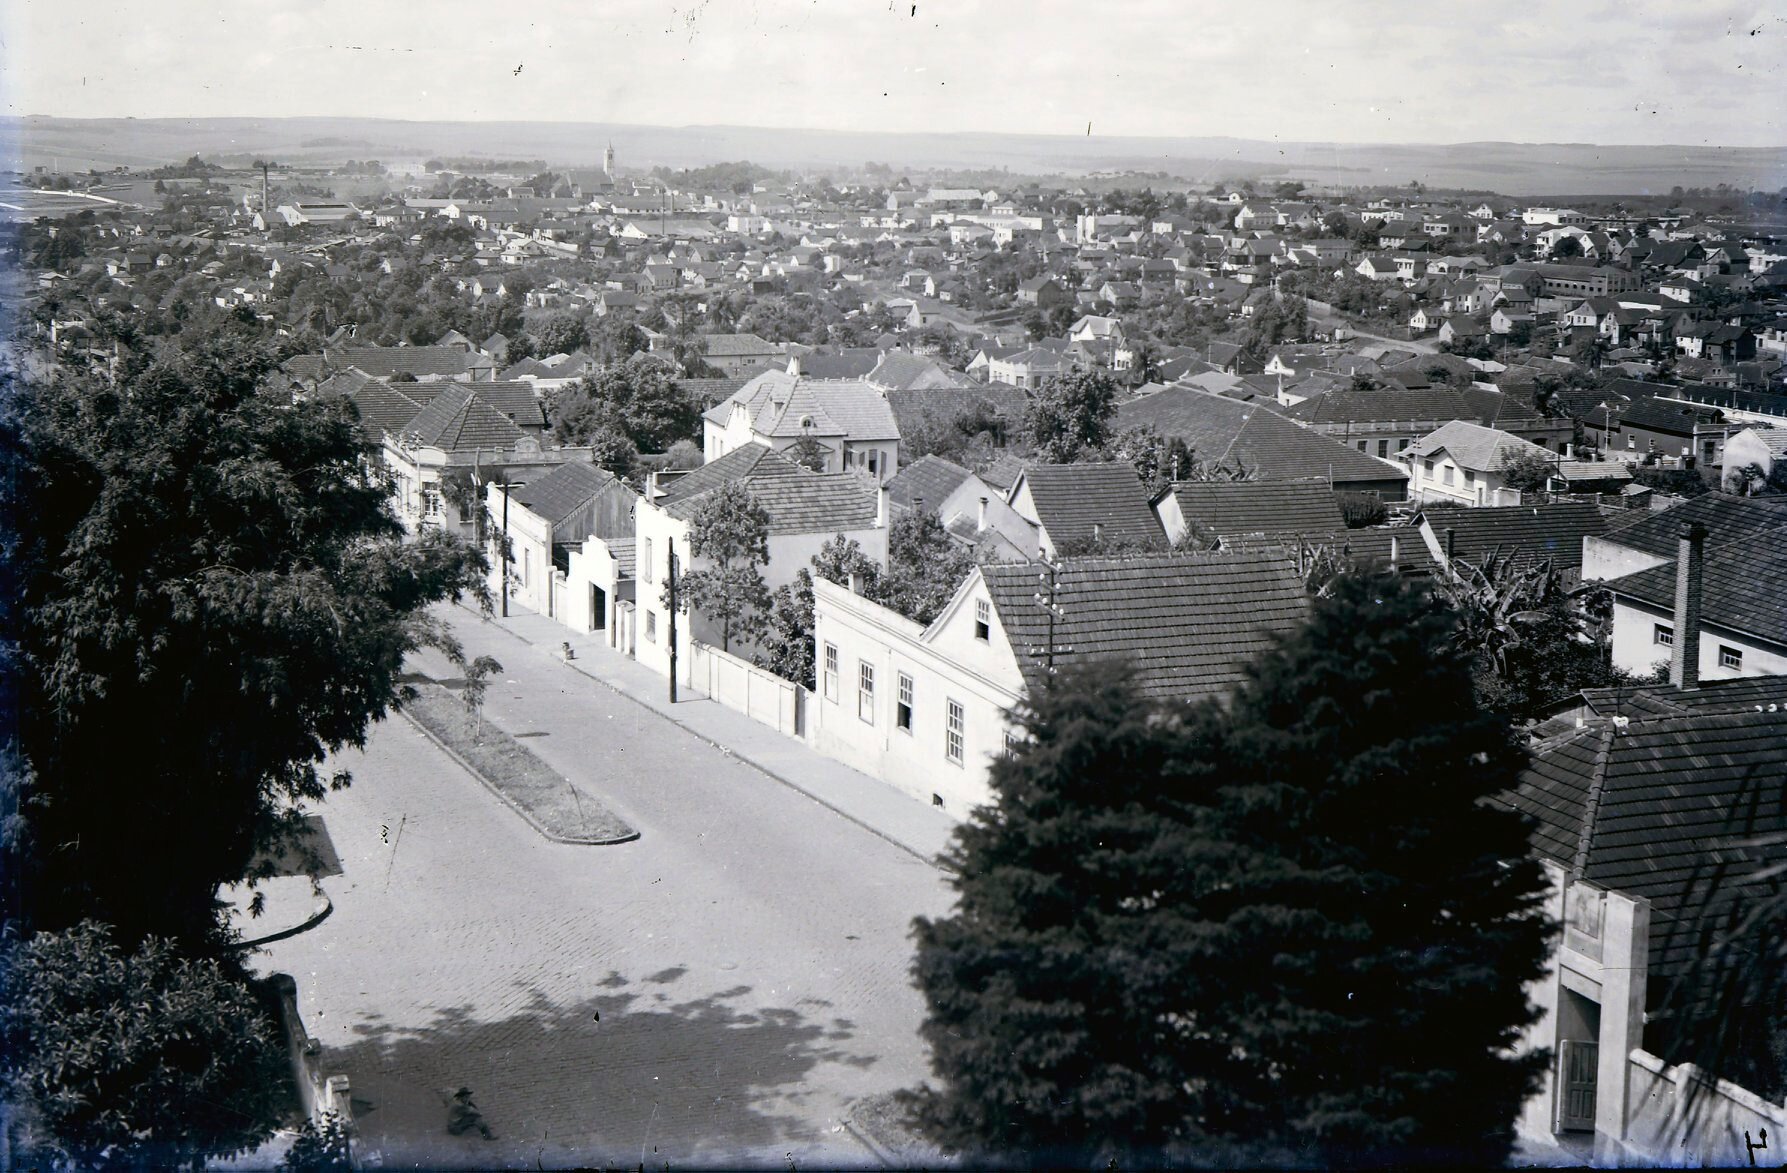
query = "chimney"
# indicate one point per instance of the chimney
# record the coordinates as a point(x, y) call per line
point(856, 582)
point(1684, 659)
point(881, 507)
point(1451, 544)
point(981, 523)
point(1395, 551)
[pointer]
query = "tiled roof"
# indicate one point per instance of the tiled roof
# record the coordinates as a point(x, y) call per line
point(1219, 429)
point(1259, 507)
point(943, 404)
point(849, 364)
point(1073, 501)
point(1190, 623)
point(1740, 588)
point(708, 392)
point(384, 408)
point(738, 464)
point(516, 399)
point(784, 406)
point(735, 345)
point(562, 491)
point(805, 502)
point(382, 362)
point(1666, 415)
point(1740, 694)
point(1652, 808)
point(1002, 473)
point(1346, 404)
point(898, 370)
point(1525, 533)
point(931, 478)
point(1729, 520)
point(1472, 446)
point(459, 419)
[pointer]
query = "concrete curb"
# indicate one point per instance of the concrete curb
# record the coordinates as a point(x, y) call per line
point(730, 752)
point(317, 916)
point(527, 815)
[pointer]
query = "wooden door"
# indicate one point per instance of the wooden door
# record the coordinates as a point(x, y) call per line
point(1577, 1064)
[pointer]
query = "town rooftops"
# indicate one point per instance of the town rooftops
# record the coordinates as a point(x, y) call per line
point(386, 409)
point(1189, 623)
point(459, 418)
point(1730, 521)
point(1740, 588)
point(929, 478)
point(1347, 404)
point(1226, 431)
point(1472, 446)
point(382, 362)
point(562, 491)
point(798, 500)
point(1081, 502)
point(1526, 534)
point(739, 464)
point(739, 346)
point(1667, 415)
point(1229, 508)
point(784, 406)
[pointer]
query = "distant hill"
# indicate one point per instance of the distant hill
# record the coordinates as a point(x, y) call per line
point(1521, 169)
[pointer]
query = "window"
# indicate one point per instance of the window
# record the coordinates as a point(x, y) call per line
point(1363, 444)
point(952, 735)
point(874, 461)
point(1731, 658)
point(651, 627)
point(831, 672)
point(983, 620)
point(1631, 442)
point(903, 710)
point(647, 561)
point(1470, 478)
point(1427, 466)
point(1011, 743)
point(1447, 471)
point(1383, 447)
point(865, 691)
point(433, 505)
point(1663, 635)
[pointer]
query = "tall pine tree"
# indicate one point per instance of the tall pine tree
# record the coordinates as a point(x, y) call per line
point(1282, 932)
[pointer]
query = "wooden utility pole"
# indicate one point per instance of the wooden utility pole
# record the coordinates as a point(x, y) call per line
point(504, 552)
point(672, 588)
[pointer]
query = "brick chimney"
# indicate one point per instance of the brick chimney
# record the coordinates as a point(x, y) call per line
point(981, 523)
point(1684, 658)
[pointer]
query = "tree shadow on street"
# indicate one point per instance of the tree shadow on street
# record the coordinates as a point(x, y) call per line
point(624, 1078)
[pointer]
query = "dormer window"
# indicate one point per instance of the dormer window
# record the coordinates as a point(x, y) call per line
point(806, 421)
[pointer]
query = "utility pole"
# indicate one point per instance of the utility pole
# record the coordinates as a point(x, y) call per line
point(1046, 599)
point(504, 552)
point(672, 589)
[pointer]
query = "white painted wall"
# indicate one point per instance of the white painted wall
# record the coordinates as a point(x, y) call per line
point(1635, 648)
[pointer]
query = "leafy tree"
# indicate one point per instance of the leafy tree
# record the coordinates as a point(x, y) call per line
point(788, 631)
point(321, 1146)
point(640, 397)
point(924, 567)
point(1071, 415)
point(143, 1056)
point(808, 453)
point(730, 532)
point(1158, 460)
point(207, 594)
point(1527, 471)
point(561, 334)
point(1566, 248)
point(1284, 932)
point(1362, 509)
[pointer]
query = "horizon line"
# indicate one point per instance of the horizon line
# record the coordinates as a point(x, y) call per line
point(1028, 134)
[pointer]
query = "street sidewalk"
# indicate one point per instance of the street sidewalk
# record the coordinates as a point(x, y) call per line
point(873, 805)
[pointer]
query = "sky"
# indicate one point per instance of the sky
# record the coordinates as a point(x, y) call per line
point(1372, 71)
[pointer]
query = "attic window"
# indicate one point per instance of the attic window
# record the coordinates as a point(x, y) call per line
point(806, 421)
point(983, 620)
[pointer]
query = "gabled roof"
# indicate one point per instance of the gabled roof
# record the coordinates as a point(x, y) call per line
point(562, 491)
point(930, 478)
point(1073, 502)
point(1226, 431)
point(739, 464)
point(1651, 807)
point(1259, 507)
point(381, 362)
point(458, 419)
point(736, 345)
point(1347, 404)
point(1472, 446)
point(785, 406)
point(1190, 623)
point(1524, 533)
point(1730, 521)
point(1740, 588)
point(1666, 415)
point(800, 501)
point(898, 370)
point(384, 408)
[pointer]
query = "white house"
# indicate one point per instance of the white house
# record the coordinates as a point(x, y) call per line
point(1464, 462)
point(849, 421)
point(927, 709)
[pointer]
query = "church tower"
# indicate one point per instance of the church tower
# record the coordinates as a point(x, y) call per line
point(608, 162)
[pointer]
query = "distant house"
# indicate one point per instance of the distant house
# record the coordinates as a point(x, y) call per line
point(1234, 509)
point(1523, 535)
point(543, 518)
point(735, 354)
point(1465, 462)
point(927, 709)
point(848, 421)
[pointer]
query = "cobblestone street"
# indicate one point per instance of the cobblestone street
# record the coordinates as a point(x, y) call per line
point(747, 956)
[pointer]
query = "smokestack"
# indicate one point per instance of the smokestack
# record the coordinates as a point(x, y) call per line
point(981, 524)
point(1684, 659)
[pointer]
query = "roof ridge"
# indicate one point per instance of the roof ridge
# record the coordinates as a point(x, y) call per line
point(1591, 803)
